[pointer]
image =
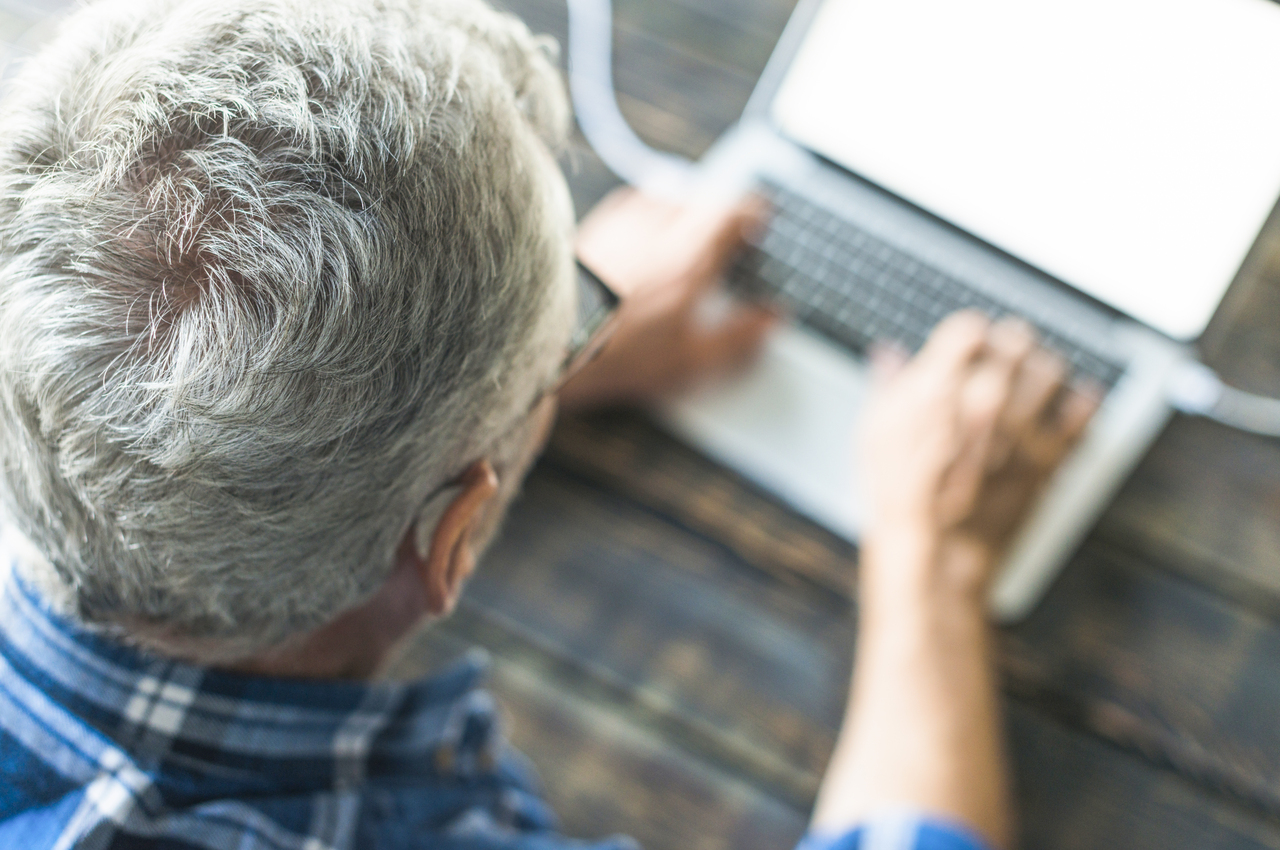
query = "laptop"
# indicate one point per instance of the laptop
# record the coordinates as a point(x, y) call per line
point(1101, 168)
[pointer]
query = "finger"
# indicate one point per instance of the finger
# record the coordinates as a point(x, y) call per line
point(1038, 384)
point(887, 360)
point(638, 202)
point(983, 395)
point(989, 389)
point(988, 393)
point(1010, 343)
point(1012, 339)
point(616, 199)
point(1046, 447)
point(758, 211)
point(623, 201)
point(1075, 412)
point(731, 344)
point(614, 228)
point(716, 235)
point(954, 344)
point(628, 209)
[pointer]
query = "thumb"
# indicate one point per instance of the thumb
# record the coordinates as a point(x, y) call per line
point(732, 343)
point(716, 235)
point(887, 360)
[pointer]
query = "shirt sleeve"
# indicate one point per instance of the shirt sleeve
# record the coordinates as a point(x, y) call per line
point(896, 832)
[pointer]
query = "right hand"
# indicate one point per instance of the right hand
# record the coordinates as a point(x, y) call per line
point(663, 259)
point(959, 442)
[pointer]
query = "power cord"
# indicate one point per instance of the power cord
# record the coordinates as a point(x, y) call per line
point(1196, 390)
point(595, 103)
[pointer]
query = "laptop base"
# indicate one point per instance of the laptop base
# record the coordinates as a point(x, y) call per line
point(790, 423)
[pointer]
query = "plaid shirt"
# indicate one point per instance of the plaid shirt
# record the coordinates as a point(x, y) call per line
point(102, 746)
point(894, 830)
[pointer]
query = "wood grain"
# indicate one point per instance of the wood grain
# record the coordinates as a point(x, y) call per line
point(659, 621)
point(604, 773)
point(1088, 650)
point(656, 628)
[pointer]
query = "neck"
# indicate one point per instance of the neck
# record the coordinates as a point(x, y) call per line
point(354, 644)
point(351, 646)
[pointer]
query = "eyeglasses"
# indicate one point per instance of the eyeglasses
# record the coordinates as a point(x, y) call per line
point(597, 308)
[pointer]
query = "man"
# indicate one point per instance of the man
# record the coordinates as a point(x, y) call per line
point(287, 295)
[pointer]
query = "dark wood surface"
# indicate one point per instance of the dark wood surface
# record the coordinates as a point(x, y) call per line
point(673, 647)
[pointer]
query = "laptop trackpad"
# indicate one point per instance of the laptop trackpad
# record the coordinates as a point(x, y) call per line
point(788, 424)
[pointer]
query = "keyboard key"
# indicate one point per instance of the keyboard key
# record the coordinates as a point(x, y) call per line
point(856, 288)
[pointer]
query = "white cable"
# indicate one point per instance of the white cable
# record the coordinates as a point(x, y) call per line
point(591, 86)
point(1196, 390)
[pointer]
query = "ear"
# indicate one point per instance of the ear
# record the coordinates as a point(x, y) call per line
point(449, 559)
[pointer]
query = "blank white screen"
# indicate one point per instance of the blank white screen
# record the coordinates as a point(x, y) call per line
point(1128, 147)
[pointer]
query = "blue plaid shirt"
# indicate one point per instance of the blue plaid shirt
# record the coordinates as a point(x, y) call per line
point(102, 747)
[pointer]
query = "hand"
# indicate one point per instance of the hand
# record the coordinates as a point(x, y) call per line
point(663, 259)
point(960, 441)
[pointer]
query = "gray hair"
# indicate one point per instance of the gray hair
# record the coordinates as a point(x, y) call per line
point(271, 272)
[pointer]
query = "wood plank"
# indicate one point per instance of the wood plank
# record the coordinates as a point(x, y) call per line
point(669, 612)
point(602, 769)
point(1163, 681)
point(1204, 504)
point(584, 599)
point(738, 38)
point(641, 703)
point(741, 42)
point(1161, 667)
point(1076, 793)
point(766, 17)
point(606, 775)
point(623, 451)
point(1205, 501)
point(681, 77)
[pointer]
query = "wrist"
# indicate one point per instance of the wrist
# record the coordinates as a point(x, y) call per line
point(919, 566)
point(915, 605)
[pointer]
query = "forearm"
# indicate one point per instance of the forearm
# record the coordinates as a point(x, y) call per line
point(958, 442)
point(923, 726)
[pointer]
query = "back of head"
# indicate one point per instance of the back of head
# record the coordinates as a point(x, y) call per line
point(270, 272)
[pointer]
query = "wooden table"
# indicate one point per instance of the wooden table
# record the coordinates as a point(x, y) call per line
point(673, 647)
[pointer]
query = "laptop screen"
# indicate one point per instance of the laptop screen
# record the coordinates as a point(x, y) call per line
point(1130, 148)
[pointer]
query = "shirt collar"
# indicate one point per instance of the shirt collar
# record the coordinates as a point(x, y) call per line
point(250, 733)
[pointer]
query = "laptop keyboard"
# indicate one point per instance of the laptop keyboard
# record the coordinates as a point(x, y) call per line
point(857, 289)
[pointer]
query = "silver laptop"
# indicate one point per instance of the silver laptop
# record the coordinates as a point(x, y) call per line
point(1100, 167)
